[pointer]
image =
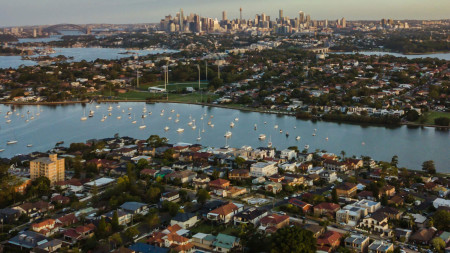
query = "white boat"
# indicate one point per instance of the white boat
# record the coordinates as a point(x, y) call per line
point(178, 115)
point(172, 111)
point(118, 106)
point(109, 114)
point(190, 123)
point(255, 127)
point(110, 108)
point(119, 117)
point(149, 113)
point(11, 142)
point(326, 139)
point(1, 150)
point(102, 120)
point(97, 106)
point(306, 146)
point(297, 138)
point(8, 121)
point(314, 134)
point(199, 137)
point(30, 145)
point(236, 119)
point(84, 116)
point(177, 120)
point(162, 114)
point(91, 114)
point(228, 134)
point(133, 122)
point(170, 118)
point(166, 128)
point(232, 124)
point(281, 131)
point(262, 137)
point(276, 126)
point(209, 122)
point(194, 127)
point(212, 125)
point(142, 127)
point(180, 130)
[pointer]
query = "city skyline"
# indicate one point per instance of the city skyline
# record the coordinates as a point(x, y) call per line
point(25, 12)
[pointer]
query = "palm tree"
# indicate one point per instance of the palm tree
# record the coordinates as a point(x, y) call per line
point(343, 154)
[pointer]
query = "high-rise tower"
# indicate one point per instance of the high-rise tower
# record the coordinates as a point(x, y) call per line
point(224, 15)
point(181, 20)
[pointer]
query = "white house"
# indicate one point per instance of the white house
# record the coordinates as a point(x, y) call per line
point(263, 169)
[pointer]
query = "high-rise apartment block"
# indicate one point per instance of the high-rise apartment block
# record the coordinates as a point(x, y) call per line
point(50, 167)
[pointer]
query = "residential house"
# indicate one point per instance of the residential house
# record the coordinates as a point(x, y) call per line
point(304, 207)
point(357, 243)
point(224, 243)
point(201, 181)
point(328, 176)
point(170, 196)
point(34, 210)
point(225, 213)
point(203, 241)
point(184, 220)
point(263, 169)
point(219, 184)
point(135, 208)
point(251, 215)
point(273, 187)
point(288, 154)
point(377, 223)
point(325, 208)
point(316, 230)
point(423, 235)
point(333, 165)
point(239, 174)
point(124, 217)
point(46, 227)
point(185, 176)
point(273, 222)
point(178, 243)
point(346, 190)
point(67, 220)
point(329, 241)
point(28, 240)
point(381, 247)
point(9, 215)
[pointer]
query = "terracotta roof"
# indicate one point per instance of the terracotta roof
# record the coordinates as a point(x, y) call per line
point(329, 238)
point(47, 222)
point(274, 219)
point(219, 182)
point(225, 209)
point(173, 237)
point(328, 206)
point(346, 186)
point(174, 228)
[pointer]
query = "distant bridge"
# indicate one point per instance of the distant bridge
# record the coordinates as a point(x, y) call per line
point(59, 27)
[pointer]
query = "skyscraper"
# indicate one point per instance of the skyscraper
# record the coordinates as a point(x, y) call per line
point(281, 14)
point(240, 15)
point(301, 16)
point(181, 20)
point(343, 23)
point(224, 15)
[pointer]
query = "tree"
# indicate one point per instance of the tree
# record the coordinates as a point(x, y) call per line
point(412, 115)
point(131, 232)
point(442, 121)
point(152, 220)
point(293, 239)
point(101, 228)
point(343, 154)
point(202, 196)
point(394, 161)
point(443, 218)
point(239, 161)
point(429, 167)
point(115, 221)
point(116, 239)
point(438, 243)
point(171, 207)
point(334, 196)
point(153, 194)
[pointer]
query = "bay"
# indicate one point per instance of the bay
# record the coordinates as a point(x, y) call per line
point(62, 123)
point(442, 56)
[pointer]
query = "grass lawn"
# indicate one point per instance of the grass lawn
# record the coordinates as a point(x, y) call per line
point(173, 86)
point(431, 116)
point(184, 98)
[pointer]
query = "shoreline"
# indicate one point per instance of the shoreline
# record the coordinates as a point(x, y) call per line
point(411, 124)
point(390, 52)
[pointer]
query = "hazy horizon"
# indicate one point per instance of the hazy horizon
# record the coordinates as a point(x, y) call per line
point(46, 12)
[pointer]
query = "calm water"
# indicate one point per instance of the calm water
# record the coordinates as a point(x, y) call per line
point(79, 54)
point(62, 123)
point(442, 56)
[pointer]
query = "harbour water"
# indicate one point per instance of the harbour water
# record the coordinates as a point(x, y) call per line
point(442, 56)
point(62, 123)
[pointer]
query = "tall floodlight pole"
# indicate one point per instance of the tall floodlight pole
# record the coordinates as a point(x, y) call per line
point(218, 71)
point(206, 69)
point(166, 81)
point(201, 94)
point(137, 71)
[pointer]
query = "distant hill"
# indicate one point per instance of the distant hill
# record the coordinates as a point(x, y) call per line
point(8, 38)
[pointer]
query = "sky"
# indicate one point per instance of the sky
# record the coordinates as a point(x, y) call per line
point(42, 12)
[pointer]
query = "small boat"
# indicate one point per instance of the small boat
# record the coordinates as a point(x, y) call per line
point(166, 128)
point(84, 116)
point(8, 121)
point(109, 114)
point(262, 136)
point(11, 142)
point(149, 113)
point(91, 114)
point(142, 127)
point(194, 127)
point(236, 119)
point(287, 134)
point(212, 116)
point(119, 117)
point(201, 118)
point(228, 134)
point(212, 125)
point(30, 145)
point(133, 122)
point(281, 131)
point(232, 124)
point(297, 138)
point(315, 129)
point(178, 115)
point(1, 150)
point(102, 120)
point(199, 137)
point(162, 114)
point(276, 126)
point(177, 120)
point(180, 130)
point(144, 116)
point(190, 123)
point(110, 108)
point(314, 134)
point(209, 122)
point(172, 111)
point(306, 146)
point(255, 127)
point(326, 139)
point(363, 143)
point(60, 142)
point(118, 106)
point(170, 118)
point(97, 106)
point(295, 127)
